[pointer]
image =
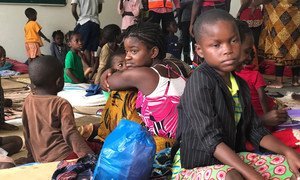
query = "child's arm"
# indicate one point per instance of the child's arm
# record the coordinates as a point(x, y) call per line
point(143, 78)
point(227, 156)
point(271, 143)
point(70, 133)
point(74, 11)
point(72, 76)
point(263, 99)
point(43, 36)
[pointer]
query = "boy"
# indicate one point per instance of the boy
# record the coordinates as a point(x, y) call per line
point(88, 25)
point(73, 72)
point(49, 128)
point(216, 117)
point(33, 35)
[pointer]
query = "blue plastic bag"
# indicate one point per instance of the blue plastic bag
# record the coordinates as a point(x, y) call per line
point(128, 153)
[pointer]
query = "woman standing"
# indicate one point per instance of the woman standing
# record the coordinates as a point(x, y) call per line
point(279, 38)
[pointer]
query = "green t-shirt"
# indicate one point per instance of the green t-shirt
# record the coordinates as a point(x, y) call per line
point(73, 62)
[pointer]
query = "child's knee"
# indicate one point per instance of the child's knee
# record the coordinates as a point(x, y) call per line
point(233, 175)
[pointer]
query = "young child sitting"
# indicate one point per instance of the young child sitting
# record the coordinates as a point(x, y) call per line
point(4, 65)
point(216, 117)
point(50, 134)
point(58, 48)
point(111, 35)
point(73, 72)
point(173, 46)
point(160, 83)
point(33, 35)
point(262, 104)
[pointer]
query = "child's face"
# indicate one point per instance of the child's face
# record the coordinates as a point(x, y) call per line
point(247, 50)
point(137, 53)
point(2, 60)
point(76, 42)
point(220, 46)
point(118, 63)
point(59, 39)
point(173, 28)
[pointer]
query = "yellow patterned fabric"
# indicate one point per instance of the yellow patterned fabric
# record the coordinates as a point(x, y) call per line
point(237, 105)
point(279, 39)
point(121, 104)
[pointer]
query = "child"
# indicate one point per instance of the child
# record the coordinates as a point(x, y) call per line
point(58, 48)
point(262, 104)
point(4, 65)
point(216, 117)
point(171, 40)
point(33, 35)
point(73, 72)
point(111, 37)
point(50, 135)
point(160, 84)
point(129, 9)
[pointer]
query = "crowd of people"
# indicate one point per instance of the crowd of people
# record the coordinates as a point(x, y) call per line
point(216, 117)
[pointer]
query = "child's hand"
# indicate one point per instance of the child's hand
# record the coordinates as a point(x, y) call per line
point(294, 162)
point(275, 117)
point(103, 79)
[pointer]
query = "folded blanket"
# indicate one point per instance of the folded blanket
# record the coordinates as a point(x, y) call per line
point(75, 94)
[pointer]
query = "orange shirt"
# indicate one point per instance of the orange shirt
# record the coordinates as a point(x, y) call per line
point(32, 29)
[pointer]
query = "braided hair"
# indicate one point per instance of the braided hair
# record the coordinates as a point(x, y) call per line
point(150, 34)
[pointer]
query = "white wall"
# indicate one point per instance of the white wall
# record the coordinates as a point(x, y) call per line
point(51, 18)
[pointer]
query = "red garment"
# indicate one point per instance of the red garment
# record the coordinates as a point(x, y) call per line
point(255, 81)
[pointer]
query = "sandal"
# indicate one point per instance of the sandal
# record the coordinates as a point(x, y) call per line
point(295, 84)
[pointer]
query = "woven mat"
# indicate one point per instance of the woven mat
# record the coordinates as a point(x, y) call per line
point(11, 84)
point(17, 96)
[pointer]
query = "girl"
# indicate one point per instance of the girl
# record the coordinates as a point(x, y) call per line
point(110, 36)
point(58, 48)
point(216, 117)
point(73, 72)
point(160, 84)
point(262, 104)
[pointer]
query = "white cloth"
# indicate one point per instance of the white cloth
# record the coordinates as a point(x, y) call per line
point(75, 94)
point(176, 87)
point(88, 10)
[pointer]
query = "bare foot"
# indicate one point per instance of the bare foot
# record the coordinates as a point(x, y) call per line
point(275, 85)
point(8, 127)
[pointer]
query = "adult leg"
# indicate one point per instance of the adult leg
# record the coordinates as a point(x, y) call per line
point(11, 144)
point(186, 40)
point(295, 73)
point(154, 17)
point(278, 77)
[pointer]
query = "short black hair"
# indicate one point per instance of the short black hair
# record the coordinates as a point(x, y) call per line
point(2, 52)
point(210, 17)
point(119, 52)
point(58, 32)
point(243, 29)
point(111, 32)
point(69, 35)
point(150, 34)
point(30, 12)
point(44, 71)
